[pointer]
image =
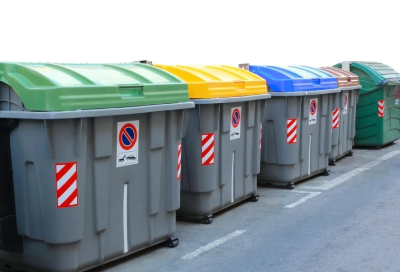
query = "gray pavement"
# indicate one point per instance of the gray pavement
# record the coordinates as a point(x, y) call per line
point(346, 222)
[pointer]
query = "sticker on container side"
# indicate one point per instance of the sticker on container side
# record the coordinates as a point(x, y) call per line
point(381, 108)
point(128, 143)
point(335, 118)
point(396, 101)
point(291, 131)
point(67, 184)
point(178, 170)
point(312, 118)
point(346, 101)
point(235, 123)
point(207, 149)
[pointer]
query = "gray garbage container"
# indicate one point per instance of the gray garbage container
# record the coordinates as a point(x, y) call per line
point(296, 142)
point(89, 162)
point(221, 148)
point(344, 117)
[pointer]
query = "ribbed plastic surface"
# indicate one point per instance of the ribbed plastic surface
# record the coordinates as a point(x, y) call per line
point(344, 78)
point(60, 87)
point(217, 81)
point(295, 78)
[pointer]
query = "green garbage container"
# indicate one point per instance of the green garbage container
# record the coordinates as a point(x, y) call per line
point(378, 109)
point(89, 162)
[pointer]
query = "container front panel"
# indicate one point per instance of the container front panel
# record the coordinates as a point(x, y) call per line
point(348, 106)
point(297, 138)
point(374, 128)
point(122, 206)
point(230, 134)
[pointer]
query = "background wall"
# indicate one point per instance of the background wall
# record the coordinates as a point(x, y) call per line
point(309, 32)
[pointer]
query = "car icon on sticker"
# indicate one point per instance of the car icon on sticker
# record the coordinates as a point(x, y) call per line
point(131, 157)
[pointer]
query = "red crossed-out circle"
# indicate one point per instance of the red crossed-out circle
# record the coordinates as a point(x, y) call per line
point(313, 107)
point(124, 132)
point(398, 93)
point(235, 118)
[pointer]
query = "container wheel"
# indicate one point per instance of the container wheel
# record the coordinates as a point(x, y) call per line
point(172, 242)
point(254, 198)
point(208, 219)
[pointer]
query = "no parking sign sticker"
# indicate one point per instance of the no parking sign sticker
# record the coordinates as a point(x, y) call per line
point(236, 114)
point(346, 101)
point(127, 143)
point(312, 118)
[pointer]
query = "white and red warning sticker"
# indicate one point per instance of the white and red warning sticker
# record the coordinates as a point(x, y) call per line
point(236, 114)
point(178, 168)
point(207, 148)
point(381, 108)
point(312, 117)
point(346, 101)
point(291, 131)
point(396, 101)
point(335, 118)
point(67, 184)
point(127, 143)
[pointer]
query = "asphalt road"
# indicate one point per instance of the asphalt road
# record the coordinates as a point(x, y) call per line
point(346, 222)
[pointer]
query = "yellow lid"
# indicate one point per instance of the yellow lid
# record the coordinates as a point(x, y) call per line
point(217, 81)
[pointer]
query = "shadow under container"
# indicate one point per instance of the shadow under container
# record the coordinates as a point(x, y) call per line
point(221, 148)
point(378, 108)
point(344, 117)
point(88, 162)
point(296, 142)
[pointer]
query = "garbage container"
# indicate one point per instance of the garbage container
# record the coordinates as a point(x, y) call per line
point(344, 117)
point(296, 142)
point(378, 109)
point(89, 157)
point(221, 148)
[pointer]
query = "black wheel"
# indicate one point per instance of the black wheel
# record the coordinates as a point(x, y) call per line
point(208, 220)
point(350, 154)
point(332, 163)
point(290, 186)
point(172, 242)
point(327, 172)
point(255, 198)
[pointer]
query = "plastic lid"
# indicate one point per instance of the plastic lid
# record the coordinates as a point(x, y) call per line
point(344, 78)
point(295, 78)
point(379, 73)
point(60, 87)
point(217, 81)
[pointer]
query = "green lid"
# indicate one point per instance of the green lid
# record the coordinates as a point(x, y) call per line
point(378, 73)
point(61, 87)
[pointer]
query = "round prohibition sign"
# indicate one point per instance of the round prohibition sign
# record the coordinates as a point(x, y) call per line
point(127, 136)
point(235, 118)
point(313, 107)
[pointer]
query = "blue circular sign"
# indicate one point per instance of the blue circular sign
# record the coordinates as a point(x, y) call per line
point(313, 107)
point(127, 136)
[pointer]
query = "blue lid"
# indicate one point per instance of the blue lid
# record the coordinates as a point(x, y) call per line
point(295, 78)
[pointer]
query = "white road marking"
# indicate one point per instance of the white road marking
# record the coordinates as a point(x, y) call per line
point(213, 245)
point(304, 199)
point(339, 180)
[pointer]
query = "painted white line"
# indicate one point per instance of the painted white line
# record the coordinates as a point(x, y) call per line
point(213, 245)
point(339, 180)
point(302, 200)
point(125, 217)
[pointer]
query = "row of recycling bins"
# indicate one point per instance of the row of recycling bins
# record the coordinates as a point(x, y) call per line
point(96, 161)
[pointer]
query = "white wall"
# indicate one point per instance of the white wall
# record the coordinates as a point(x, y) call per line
point(308, 32)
